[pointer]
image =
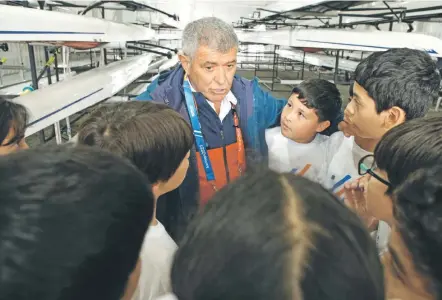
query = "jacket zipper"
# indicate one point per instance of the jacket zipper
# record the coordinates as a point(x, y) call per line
point(225, 157)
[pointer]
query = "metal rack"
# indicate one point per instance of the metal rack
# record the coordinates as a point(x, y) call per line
point(102, 6)
point(323, 12)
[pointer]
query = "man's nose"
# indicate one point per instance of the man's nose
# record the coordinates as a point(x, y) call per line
point(220, 76)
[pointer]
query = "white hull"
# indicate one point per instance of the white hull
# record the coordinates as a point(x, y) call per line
point(345, 40)
point(17, 89)
point(319, 60)
point(169, 64)
point(19, 24)
point(65, 98)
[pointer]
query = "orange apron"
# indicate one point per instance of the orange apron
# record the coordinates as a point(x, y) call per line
point(216, 167)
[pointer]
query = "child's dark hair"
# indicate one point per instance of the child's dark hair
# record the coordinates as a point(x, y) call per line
point(418, 211)
point(408, 147)
point(12, 115)
point(67, 215)
point(406, 78)
point(324, 97)
point(152, 136)
point(276, 236)
point(350, 89)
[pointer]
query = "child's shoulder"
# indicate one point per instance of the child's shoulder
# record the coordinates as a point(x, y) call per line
point(337, 139)
point(272, 133)
point(274, 130)
point(337, 143)
point(338, 136)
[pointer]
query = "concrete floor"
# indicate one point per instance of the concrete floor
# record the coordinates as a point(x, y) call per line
point(279, 91)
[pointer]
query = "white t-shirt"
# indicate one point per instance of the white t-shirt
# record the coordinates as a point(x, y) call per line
point(168, 297)
point(156, 260)
point(343, 157)
point(286, 155)
point(382, 237)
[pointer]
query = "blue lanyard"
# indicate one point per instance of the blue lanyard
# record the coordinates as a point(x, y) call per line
point(196, 126)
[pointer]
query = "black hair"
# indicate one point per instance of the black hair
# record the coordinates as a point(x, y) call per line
point(72, 222)
point(15, 116)
point(324, 97)
point(405, 78)
point(409, 146)
point(276, 236)
point(418, 211)
point(152, 136)
point(350, 89)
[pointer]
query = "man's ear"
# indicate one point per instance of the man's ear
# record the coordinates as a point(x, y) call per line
point(323, 126)
point(185, 62)
point(393, 117)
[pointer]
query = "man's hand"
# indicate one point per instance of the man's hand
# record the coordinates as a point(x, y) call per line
point(346, 129)
point(356, 199)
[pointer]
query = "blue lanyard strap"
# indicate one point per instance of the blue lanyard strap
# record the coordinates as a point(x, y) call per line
point(196, 126)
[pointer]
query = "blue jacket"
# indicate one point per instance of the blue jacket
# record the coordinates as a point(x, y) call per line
point(257, 111)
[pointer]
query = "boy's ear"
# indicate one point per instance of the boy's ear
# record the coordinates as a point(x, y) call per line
point(323, 126)
point(393, 117)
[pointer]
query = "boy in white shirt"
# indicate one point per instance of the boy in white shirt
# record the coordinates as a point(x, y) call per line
point(299, 145)
point(157, 140)
point(390, 88)
point(343, 154)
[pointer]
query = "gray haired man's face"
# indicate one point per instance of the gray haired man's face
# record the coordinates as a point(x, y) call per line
point(211, 72)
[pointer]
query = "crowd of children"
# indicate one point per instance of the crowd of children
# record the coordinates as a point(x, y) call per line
point(83, 221)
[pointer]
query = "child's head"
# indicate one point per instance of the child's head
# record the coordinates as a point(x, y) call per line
point(391, 87)
point(416, 238)
point(400, 152)
point(13, 120)
point(276, 236)
point(155, 138)
point(314, 107)
point(72, 223)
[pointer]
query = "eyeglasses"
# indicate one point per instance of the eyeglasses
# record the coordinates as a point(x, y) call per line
point(368, 165)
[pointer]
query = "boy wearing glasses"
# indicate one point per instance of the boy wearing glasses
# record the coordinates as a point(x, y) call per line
point(390, 88)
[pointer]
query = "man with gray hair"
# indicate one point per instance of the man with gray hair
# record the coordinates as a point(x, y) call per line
point(228, 113)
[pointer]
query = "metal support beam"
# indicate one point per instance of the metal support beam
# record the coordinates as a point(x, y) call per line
point(168, 55)
point(365, 16)
point(33, 67)
point(48, 69)
point(105, 51)
point(337, 55)
point(275, 47)
point(392, 11)
point(373, 9)
point(303, 66)
point(156, 46)
point(57, 76)
point(35, 80)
